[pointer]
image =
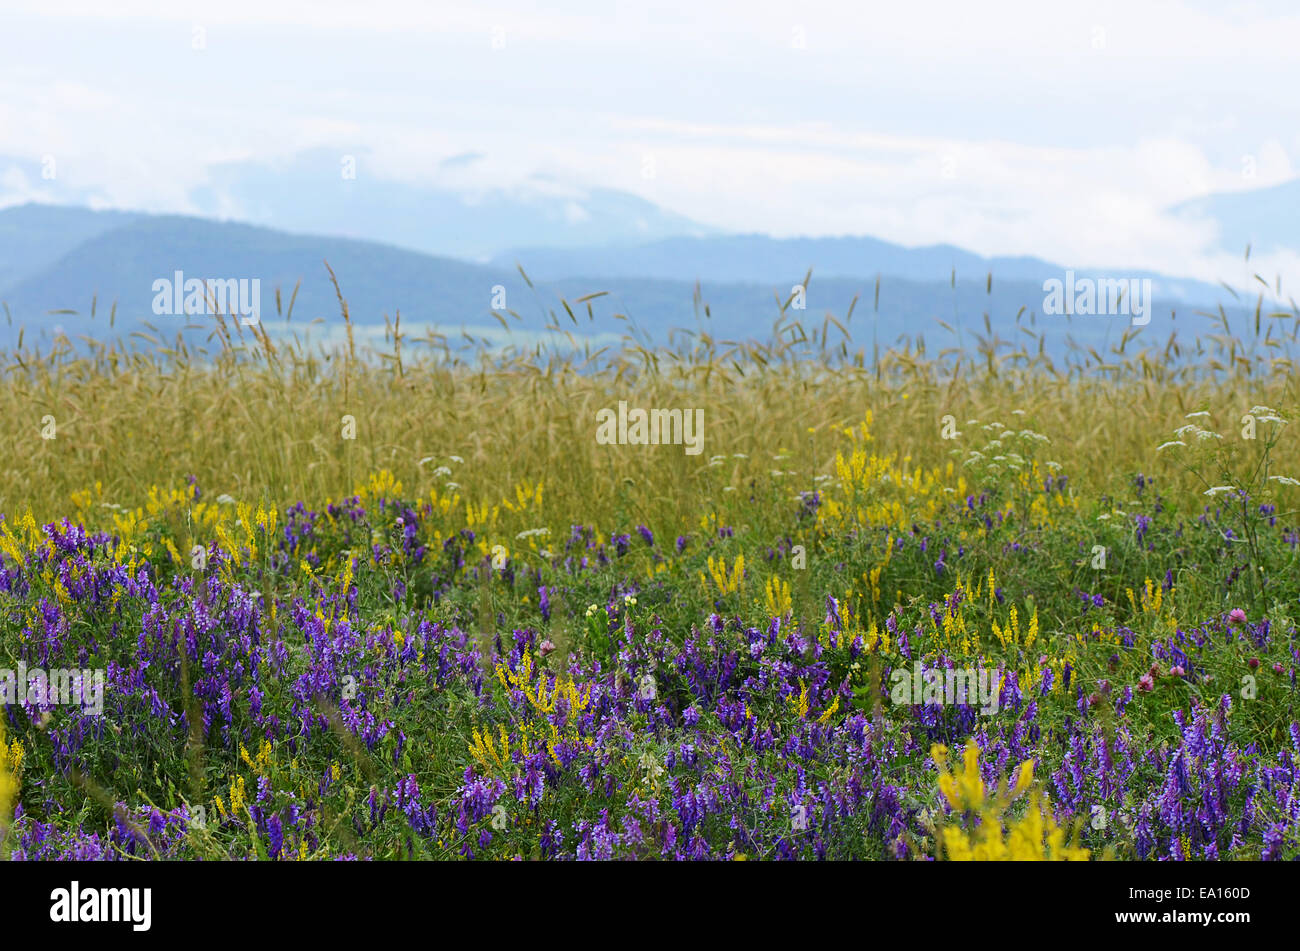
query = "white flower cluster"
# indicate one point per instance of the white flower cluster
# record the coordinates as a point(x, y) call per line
point(995, 454)
point(443, 472)
point(1266, 414)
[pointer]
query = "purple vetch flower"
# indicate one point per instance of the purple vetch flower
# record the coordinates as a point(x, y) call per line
point(275, 836)
point(1273, 840)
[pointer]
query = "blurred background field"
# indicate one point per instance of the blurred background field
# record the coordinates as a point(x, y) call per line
point(261, 417)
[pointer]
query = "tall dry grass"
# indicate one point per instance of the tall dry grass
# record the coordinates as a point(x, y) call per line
point(262, 417)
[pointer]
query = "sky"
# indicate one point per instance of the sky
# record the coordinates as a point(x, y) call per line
point(1061, 130)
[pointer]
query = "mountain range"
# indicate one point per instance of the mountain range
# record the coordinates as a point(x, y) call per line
point(455, 258)
point(78, 261)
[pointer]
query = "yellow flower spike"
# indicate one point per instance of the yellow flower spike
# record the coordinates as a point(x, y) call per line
point(540, 700)
point(829, 712)
point(777, 597)
point(939, 753)
point(979, 837)
point(727, 583)
point(504, 758)
point(237, 794)
point(9, 762)
point(972, 784)
point(949, 787)
point(800, 703)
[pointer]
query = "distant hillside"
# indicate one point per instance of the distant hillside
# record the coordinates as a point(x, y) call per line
point(758, 258)
point(119, 265)
point(33, 237)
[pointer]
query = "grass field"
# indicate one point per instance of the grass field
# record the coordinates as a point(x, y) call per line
point(400, 605)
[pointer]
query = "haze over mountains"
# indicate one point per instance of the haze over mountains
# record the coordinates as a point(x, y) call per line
point(323, 192)
point(448, 254)
point(1266, 219)
point(88, 260)
point(755, 258)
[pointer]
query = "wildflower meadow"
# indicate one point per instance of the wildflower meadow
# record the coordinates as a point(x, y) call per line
point(632, 469)
point(275, 603)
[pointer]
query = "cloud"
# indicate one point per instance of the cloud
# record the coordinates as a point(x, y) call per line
point(462, 160)
point(1062, 130)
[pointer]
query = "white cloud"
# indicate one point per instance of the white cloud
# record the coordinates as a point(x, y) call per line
point(1058, 130)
